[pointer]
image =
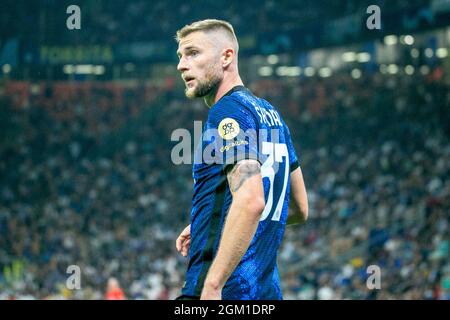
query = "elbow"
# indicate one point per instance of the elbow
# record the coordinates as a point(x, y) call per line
point(256, 206)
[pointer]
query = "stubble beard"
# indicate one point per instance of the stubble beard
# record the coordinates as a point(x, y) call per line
point(206, 87)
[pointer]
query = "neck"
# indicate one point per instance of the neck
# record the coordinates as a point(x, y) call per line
point(225, 86)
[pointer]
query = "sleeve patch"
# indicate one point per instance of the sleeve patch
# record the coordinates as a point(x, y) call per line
point(228, 128)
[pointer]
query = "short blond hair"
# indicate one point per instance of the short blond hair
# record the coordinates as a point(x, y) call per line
point(207, 25)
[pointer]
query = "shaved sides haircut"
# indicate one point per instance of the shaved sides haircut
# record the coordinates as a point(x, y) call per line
point(210, 25)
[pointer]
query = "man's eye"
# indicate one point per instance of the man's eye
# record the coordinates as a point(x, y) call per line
point(194, 53)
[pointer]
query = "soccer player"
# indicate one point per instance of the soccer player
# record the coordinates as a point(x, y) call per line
point(245, 172)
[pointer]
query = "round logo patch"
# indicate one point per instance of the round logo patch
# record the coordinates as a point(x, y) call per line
point(228, 128)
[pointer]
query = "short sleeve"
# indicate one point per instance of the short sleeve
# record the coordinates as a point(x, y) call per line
point(294, 164)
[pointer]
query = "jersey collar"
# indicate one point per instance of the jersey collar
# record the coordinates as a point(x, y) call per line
point(234, 89)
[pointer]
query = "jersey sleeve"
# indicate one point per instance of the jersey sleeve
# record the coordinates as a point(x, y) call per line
point(294, 164)
point(231, 133)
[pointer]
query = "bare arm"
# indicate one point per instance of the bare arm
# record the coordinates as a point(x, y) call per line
point(246, 186)
point(298, 204)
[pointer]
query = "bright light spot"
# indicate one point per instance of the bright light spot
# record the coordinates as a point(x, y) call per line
point(392, 68)
point(390, 40)
point(265, 71)
point(442, 53)
point(309, 71)
point(83, 69)
point(273, 59)
point(6, 68)
point(281, 71)
point(294, 71)
point(68, 69)
point(409, 40)
point(409, 70)
point(356, 73)
point(363, 57)
point(325, 72)
point(99, 70)
point(284, 71)
point(428, 52)
point(349, 56)
point(414, 53)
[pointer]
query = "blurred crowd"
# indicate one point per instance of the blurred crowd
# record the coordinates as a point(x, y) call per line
point(376, 158)
point(109, 23)
point(86, 179)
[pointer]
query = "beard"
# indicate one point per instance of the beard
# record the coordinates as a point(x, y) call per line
point(205, 87)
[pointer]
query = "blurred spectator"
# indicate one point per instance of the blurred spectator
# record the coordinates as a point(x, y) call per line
point(113, 290)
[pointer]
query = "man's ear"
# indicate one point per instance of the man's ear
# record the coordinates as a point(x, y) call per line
point(227, 57)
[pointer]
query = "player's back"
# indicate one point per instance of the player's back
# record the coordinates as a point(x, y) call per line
point(253, 129)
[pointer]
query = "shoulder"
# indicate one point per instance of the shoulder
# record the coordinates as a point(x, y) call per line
point(234, 107)
point(227, 104)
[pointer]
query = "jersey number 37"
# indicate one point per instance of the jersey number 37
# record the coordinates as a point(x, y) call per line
point(275, 153)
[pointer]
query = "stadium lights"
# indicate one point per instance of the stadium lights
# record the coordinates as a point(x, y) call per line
point(349, 56)
point(273, 59)
point(99, 70)
point(83, 69)
point(392, 69)
point(265, 71)
point(6, 68)
point(409, 70)
point(310, 71)
point(285, 71)
point(428, 52)
point(363, 57)
point(409, 40)
point(356, 73)
point(390, 40)
point(442, 53)
point(281, 71)
point(68, 69)
point(414, 53)
point(325, 72)
point(294, 71)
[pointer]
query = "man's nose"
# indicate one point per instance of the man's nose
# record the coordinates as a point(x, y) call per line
point(182, 65)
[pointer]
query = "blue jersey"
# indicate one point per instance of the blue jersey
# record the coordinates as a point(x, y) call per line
point(240, 126)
